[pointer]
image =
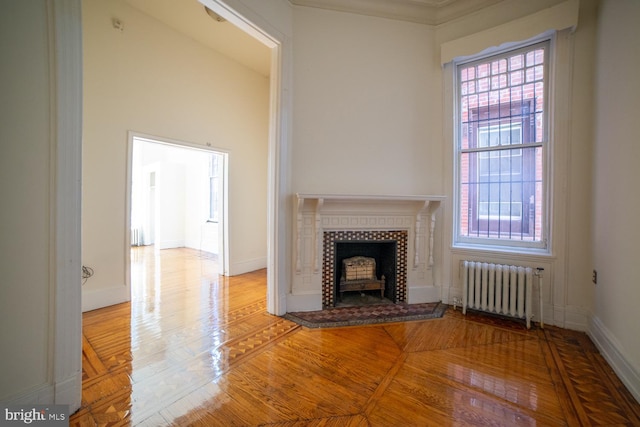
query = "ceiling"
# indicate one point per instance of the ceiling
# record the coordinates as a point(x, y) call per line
point(189, 17)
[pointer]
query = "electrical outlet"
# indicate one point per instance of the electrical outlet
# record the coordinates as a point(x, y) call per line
point(594, 277)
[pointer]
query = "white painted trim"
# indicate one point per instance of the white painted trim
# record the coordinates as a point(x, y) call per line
point(88, 298)
point(93, 299)
point(304, 302)
point(62, 392)
point(568, 317)
point(41, 394)
point(558, 17)
point(575, 318)
point(278, 212)
point(371, 197)
point(67, 138)
point(447, 294)
point(170, 244)
point(422, 294)
point(509, 257)
point(421, 12)
point(67, 390)
point(241, 20)
point(557, 318)
point(559, 164)
point(247, 266)
point(154, 139)
point(223, 230)
point(614, 355)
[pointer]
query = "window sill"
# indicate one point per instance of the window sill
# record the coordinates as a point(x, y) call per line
point(502, 250)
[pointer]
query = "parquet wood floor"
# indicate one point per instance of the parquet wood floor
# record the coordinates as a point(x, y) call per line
point(196, 348)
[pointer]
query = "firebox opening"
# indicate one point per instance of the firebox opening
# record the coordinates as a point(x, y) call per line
point(385, 254)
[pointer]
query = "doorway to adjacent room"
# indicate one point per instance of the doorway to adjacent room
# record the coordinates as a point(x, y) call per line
point(178, 197)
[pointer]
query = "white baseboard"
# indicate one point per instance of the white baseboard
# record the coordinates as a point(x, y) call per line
point(241, 267)
point(576, 318)
point(94, 299)
point(170, 244)
point(446, 295)
point(65, 392)
point(611, 351)
point(304, 302)
point(41, 394)
point(421, 294)
point(69, 392)
point(567, 317)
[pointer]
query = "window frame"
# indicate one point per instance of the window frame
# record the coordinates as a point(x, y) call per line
point(491, 243)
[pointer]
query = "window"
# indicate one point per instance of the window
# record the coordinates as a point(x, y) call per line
point(500, 148)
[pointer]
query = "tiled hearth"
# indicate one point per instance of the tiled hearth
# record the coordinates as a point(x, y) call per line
point(329, 259)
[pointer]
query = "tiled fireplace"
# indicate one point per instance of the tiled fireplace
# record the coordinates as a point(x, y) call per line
point(326, 221)
point(396, 285)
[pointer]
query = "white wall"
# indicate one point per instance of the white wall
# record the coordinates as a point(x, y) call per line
point(171, 185)
point(366, 107)
point(182, 194)
point(199, 232)
point(152, 80)
point(26, 199)
point(616, 199)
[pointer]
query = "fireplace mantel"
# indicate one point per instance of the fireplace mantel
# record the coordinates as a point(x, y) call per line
point(418, 205)
point(369, 198)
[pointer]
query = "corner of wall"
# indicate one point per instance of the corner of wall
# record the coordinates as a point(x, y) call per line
point(246, 266)
point(94, 299)
point(614, 355)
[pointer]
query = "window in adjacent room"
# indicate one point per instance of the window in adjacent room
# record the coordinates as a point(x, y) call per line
point(501, 145)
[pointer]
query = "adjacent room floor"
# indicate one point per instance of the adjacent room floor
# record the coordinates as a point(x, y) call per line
point(197, 348)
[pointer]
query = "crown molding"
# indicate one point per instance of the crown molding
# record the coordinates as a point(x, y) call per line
point(430, 12)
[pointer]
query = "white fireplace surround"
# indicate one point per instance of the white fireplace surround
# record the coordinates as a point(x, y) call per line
point(317, 213)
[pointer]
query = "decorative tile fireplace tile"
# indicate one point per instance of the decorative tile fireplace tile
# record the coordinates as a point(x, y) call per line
point(330, 240)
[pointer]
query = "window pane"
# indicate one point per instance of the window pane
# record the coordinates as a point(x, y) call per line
point(503, 199)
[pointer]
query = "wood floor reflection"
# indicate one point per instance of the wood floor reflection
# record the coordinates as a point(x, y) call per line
point(197, 348)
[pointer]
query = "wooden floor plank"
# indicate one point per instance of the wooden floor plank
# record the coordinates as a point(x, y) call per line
point(197, 348)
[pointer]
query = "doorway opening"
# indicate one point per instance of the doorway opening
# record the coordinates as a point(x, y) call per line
point(178, 197)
